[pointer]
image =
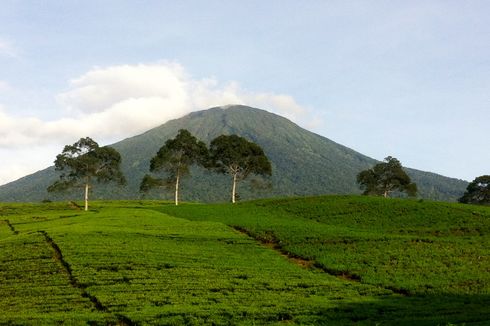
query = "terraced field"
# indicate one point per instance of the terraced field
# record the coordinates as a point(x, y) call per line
point(322, 260)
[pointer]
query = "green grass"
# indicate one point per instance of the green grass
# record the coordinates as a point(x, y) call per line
point(436, 253)
point(152, 263)
point(152, 268)
point(421, 247)
point(35, 288)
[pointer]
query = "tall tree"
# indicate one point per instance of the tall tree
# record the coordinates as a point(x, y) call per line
point(83, 163)
point(478, 191)
point(385, 178)
point(239, 158)
point(175, 158)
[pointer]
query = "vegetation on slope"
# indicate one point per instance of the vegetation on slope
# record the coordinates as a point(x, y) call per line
point(129, 265)
point(303, 163)
point(434, 254)
point(386, 178)
point(478, 191)
point(335, 259)
point(414, 246)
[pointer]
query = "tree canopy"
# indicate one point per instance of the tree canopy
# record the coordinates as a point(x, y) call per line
point(174, 158)
point(85, 162)
point(385, 178)
point(478, 191)
point(239, 158)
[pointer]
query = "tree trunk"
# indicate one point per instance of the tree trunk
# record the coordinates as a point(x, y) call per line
point(177, 189)
point(86, 196)
point(386, 194)
point(233, 189)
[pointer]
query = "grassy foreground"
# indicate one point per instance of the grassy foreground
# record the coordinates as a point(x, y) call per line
point(320, 260)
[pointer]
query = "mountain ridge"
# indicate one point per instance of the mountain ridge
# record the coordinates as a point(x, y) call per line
point(304, 163)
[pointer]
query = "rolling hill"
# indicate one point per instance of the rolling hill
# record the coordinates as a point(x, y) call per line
point(304, 163)
point(325, 260)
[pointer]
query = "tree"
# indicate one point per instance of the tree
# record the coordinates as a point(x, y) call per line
point(175, 158)
point(478, 191)
point(85, 162)
point(385, 178)
point(239, 158)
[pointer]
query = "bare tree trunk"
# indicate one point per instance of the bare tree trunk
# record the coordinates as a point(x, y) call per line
point(233, 189)
point(386, 194)
point(177, 190)
point(86, 195)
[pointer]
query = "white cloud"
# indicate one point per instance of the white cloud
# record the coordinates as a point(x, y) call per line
point(120, 101)
point(111, 103)
point(20, 162)
point(101, 88)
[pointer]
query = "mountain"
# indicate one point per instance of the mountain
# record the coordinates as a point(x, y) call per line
point(303, 162)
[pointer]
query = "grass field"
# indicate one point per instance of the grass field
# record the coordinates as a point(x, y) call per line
point(322, 260)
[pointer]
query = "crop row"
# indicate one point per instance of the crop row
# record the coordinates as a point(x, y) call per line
point(145, 267)
point(35, 287)
point(409, 247)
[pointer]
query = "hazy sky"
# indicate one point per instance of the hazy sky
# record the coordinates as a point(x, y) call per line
point(410, 79)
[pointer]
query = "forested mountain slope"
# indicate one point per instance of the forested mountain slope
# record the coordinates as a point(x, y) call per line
point(303, 162)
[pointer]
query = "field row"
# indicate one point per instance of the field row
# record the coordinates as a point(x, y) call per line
point(150, 268)
point(406, 246)
point(425, 258)
point(35, 287)
point(129, 262)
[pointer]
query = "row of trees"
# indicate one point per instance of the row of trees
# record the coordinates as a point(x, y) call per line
point(389, 176)
point(84, 163)
point(232, 155)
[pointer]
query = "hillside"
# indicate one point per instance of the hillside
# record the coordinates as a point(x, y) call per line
point(336, 260)
point(382, 242)
point(303, 163)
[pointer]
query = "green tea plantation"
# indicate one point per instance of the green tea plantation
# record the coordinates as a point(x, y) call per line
point(332, 260)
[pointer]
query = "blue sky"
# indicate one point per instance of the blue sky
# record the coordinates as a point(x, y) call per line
point(410, 79)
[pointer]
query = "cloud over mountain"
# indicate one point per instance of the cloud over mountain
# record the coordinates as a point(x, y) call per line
point(119, 101)
point(304, 163)
point(110, 103)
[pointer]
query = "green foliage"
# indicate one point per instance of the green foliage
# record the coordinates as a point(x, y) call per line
point(234, 153)
point(84, 162)
point(186, 266)
point(385, 178)
point(238, 157)
point(175, 158)
point(148, 183)
point(178, 154)
point(35, 290)
point(304, 163)
point(478, 191)
point(423, 248)
point(151, 268)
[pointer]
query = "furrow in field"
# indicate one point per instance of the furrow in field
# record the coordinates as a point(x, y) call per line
point(58, 256)
point(11, 227)
point(273, 244)
point(34, 290)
